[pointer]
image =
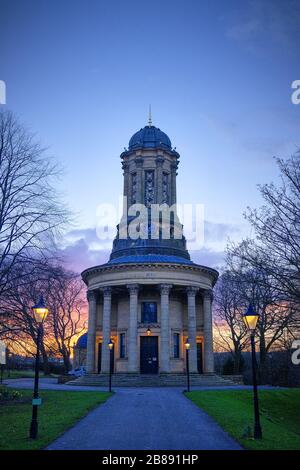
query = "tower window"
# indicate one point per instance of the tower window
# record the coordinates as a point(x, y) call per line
point(122, 350)
point(149, 312)
point(176, 341)
point(149, 188)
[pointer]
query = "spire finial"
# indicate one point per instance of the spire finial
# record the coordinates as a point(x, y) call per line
point(150, 117)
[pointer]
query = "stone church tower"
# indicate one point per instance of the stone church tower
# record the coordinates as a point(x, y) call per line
point(149, 297)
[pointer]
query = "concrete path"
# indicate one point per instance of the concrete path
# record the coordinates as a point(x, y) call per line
point(146, 419)
point(51, 384)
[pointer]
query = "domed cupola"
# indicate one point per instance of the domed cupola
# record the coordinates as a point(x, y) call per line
point(150, 137)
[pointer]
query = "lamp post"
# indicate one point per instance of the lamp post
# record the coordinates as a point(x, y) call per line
point(40, 312)
point(250, 319)
point(187, 348)
point(111, 347)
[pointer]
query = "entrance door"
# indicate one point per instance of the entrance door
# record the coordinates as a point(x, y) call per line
point(149, 354)
point(200, 358)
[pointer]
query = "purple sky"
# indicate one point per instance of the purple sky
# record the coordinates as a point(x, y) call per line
point(81, 75)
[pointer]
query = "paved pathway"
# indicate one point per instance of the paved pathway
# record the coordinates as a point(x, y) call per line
point(51, 384)
point(146, 419)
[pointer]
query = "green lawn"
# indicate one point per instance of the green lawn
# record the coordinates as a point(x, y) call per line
point(59, 411)
point(233, 410)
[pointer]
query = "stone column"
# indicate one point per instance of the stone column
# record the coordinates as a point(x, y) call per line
point(125, 168)
point(164, 328)
point(132, 330)
point(174, 167)
point(105, 361)
point(192, 327)
point(139, 180)
point(126, 187)
point(91, 339)
point(208, 337)
point(159, 166)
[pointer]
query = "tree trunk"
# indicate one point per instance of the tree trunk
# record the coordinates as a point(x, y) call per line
point(237, 362)
point(46, 365)
point(66, 359)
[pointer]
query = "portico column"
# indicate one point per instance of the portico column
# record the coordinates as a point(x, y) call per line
point(106, 329)
point(91, 338)
point(132, 330)
point(208, 337)
point(164, 328)
point(192, 327)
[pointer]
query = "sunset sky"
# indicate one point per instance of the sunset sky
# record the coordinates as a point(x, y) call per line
point(81, 74)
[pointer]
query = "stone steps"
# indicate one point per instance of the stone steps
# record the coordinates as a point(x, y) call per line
point(159, 380)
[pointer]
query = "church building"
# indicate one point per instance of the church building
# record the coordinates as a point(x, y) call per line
point(149, 298)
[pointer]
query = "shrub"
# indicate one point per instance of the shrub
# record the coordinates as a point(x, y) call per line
point(7, 394)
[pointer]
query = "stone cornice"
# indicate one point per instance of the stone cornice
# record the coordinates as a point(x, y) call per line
point(141, 151)
point(212, 273)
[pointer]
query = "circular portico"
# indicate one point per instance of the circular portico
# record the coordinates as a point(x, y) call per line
point(173, 300)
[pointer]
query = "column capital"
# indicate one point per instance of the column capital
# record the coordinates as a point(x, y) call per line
point(159, 160)
point(91, 295)
point(192, 291)
point(133, 288)
point(165, 288)
point(208, 294)
point(106, 291)
point(125, 167)
point(139, 162)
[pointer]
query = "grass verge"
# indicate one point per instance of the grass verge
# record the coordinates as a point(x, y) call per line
point(233, 410)
point(59, 411)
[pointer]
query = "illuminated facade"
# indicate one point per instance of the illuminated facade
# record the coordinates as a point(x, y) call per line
point(150, 297)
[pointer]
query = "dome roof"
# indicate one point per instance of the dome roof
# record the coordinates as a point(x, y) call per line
point(150, 258)
point(149, 137)
point(82, 341)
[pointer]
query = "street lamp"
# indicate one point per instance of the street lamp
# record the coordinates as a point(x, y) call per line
point(111, 348)
point(40, 312)
point(187, 348)
point(250, 319)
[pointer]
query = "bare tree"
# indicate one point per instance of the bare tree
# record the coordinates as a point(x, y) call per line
point(67, 311)
point(277, 230)
point(260, 288)
point(64, 294)
point(30, 212)
point(17, 324)
point(229, 306)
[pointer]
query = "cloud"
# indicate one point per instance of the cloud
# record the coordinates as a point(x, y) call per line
point(82, 248)
point(219, 231)
point(207, 257)
point(257, 22)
